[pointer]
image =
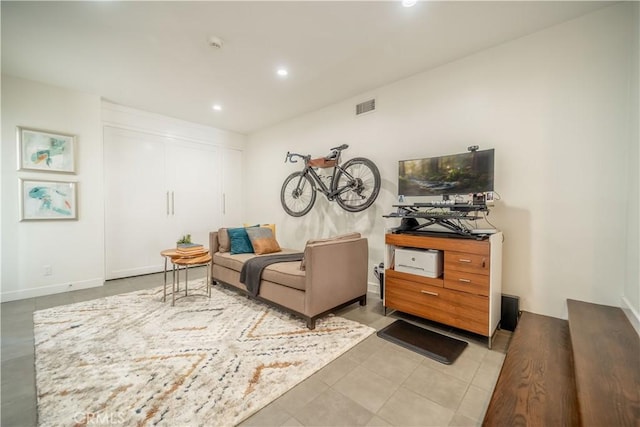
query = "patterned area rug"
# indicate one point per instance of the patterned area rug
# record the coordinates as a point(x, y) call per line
point(131, 359)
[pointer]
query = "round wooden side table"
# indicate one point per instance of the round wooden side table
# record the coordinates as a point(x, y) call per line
point(186, 262)
point(168, 254)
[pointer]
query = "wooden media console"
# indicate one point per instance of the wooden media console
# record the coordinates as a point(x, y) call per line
point(467, 295)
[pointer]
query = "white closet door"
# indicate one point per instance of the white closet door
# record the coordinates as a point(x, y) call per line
point(232, 188)
point(136, 205)
point(194, 176)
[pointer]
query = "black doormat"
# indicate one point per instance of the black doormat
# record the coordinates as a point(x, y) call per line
point(428, 343)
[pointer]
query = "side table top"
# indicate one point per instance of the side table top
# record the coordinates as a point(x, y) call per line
point(202, 259)
point(170, 253)
point(174, 253)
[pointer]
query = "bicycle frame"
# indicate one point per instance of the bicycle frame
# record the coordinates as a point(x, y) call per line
point(320, 185)
point(354, 193)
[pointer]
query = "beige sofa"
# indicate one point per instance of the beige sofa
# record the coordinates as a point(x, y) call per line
point(334, 276)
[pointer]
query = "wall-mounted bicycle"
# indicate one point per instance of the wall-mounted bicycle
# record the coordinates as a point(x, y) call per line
point(354, 185)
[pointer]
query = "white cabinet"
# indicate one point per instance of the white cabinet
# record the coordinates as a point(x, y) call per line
point(232, 187)
point(193, 172)
point(157, 189)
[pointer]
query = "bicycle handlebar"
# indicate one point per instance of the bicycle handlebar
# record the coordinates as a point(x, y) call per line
point(334, 152)
point(290, 157)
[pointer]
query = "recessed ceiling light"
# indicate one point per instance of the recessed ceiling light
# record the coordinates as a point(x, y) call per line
point(217, 107)
point(282, 72)
point(409, 3)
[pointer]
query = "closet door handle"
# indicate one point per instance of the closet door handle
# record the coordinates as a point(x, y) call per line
point(224, 203)
point(173, 204)
point(167, 203)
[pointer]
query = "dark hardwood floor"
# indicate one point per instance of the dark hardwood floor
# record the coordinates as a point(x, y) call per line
point(580, 372)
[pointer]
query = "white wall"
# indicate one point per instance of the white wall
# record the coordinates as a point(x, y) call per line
point(555, 105)
point(631, 298)
point(73, 249)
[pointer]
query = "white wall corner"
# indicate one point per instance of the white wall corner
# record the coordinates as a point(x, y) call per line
point(373, 287)
point(631, 314)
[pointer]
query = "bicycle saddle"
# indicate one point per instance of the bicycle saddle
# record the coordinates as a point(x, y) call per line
point(335, 151)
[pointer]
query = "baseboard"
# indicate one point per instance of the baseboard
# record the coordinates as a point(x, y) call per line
point(150, 269)
point(631, 314)
point(373, 287)
point(49, 290)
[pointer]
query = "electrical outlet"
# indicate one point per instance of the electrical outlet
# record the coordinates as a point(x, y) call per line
point(47, 270)
point(489, 198)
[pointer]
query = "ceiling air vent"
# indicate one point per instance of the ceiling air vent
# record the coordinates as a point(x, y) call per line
point(366, 107)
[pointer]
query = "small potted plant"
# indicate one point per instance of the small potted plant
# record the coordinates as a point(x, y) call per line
point(186, 239)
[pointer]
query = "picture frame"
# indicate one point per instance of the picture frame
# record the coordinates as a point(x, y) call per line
point(47, 151)
point(47, 200)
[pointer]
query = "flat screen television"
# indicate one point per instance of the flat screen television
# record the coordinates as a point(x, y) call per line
point(464, 173)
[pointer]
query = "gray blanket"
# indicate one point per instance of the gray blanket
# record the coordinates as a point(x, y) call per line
point(251, 272)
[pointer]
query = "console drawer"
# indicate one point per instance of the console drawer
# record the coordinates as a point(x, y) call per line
point(459, 309)
point(467, 282)
point(470, 263)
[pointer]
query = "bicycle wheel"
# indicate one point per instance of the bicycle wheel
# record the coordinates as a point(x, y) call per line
point(359, 181)
point(298, 194)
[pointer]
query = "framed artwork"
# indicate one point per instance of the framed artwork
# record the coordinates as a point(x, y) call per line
point(47, 200)
point(46, 151)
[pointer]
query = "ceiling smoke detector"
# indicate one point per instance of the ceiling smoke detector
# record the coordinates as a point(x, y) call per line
point(215, 42)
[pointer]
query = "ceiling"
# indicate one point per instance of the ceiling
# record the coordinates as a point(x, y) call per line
point(156, 56)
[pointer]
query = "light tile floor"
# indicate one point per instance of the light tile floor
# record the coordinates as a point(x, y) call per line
point(376, 383)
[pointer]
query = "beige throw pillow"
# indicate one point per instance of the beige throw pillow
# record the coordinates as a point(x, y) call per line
point(224, 243)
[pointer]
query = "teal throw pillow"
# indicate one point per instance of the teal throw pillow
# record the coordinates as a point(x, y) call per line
point(240, 243)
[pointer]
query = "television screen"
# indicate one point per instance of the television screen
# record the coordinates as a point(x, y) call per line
point(454, 174)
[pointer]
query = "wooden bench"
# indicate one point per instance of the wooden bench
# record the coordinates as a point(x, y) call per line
point(580, 372)
point(606, 354)
point(536, 385)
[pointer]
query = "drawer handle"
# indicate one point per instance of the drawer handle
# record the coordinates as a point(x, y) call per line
point(464, 280)
point(435, 294)
point(464, 260)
